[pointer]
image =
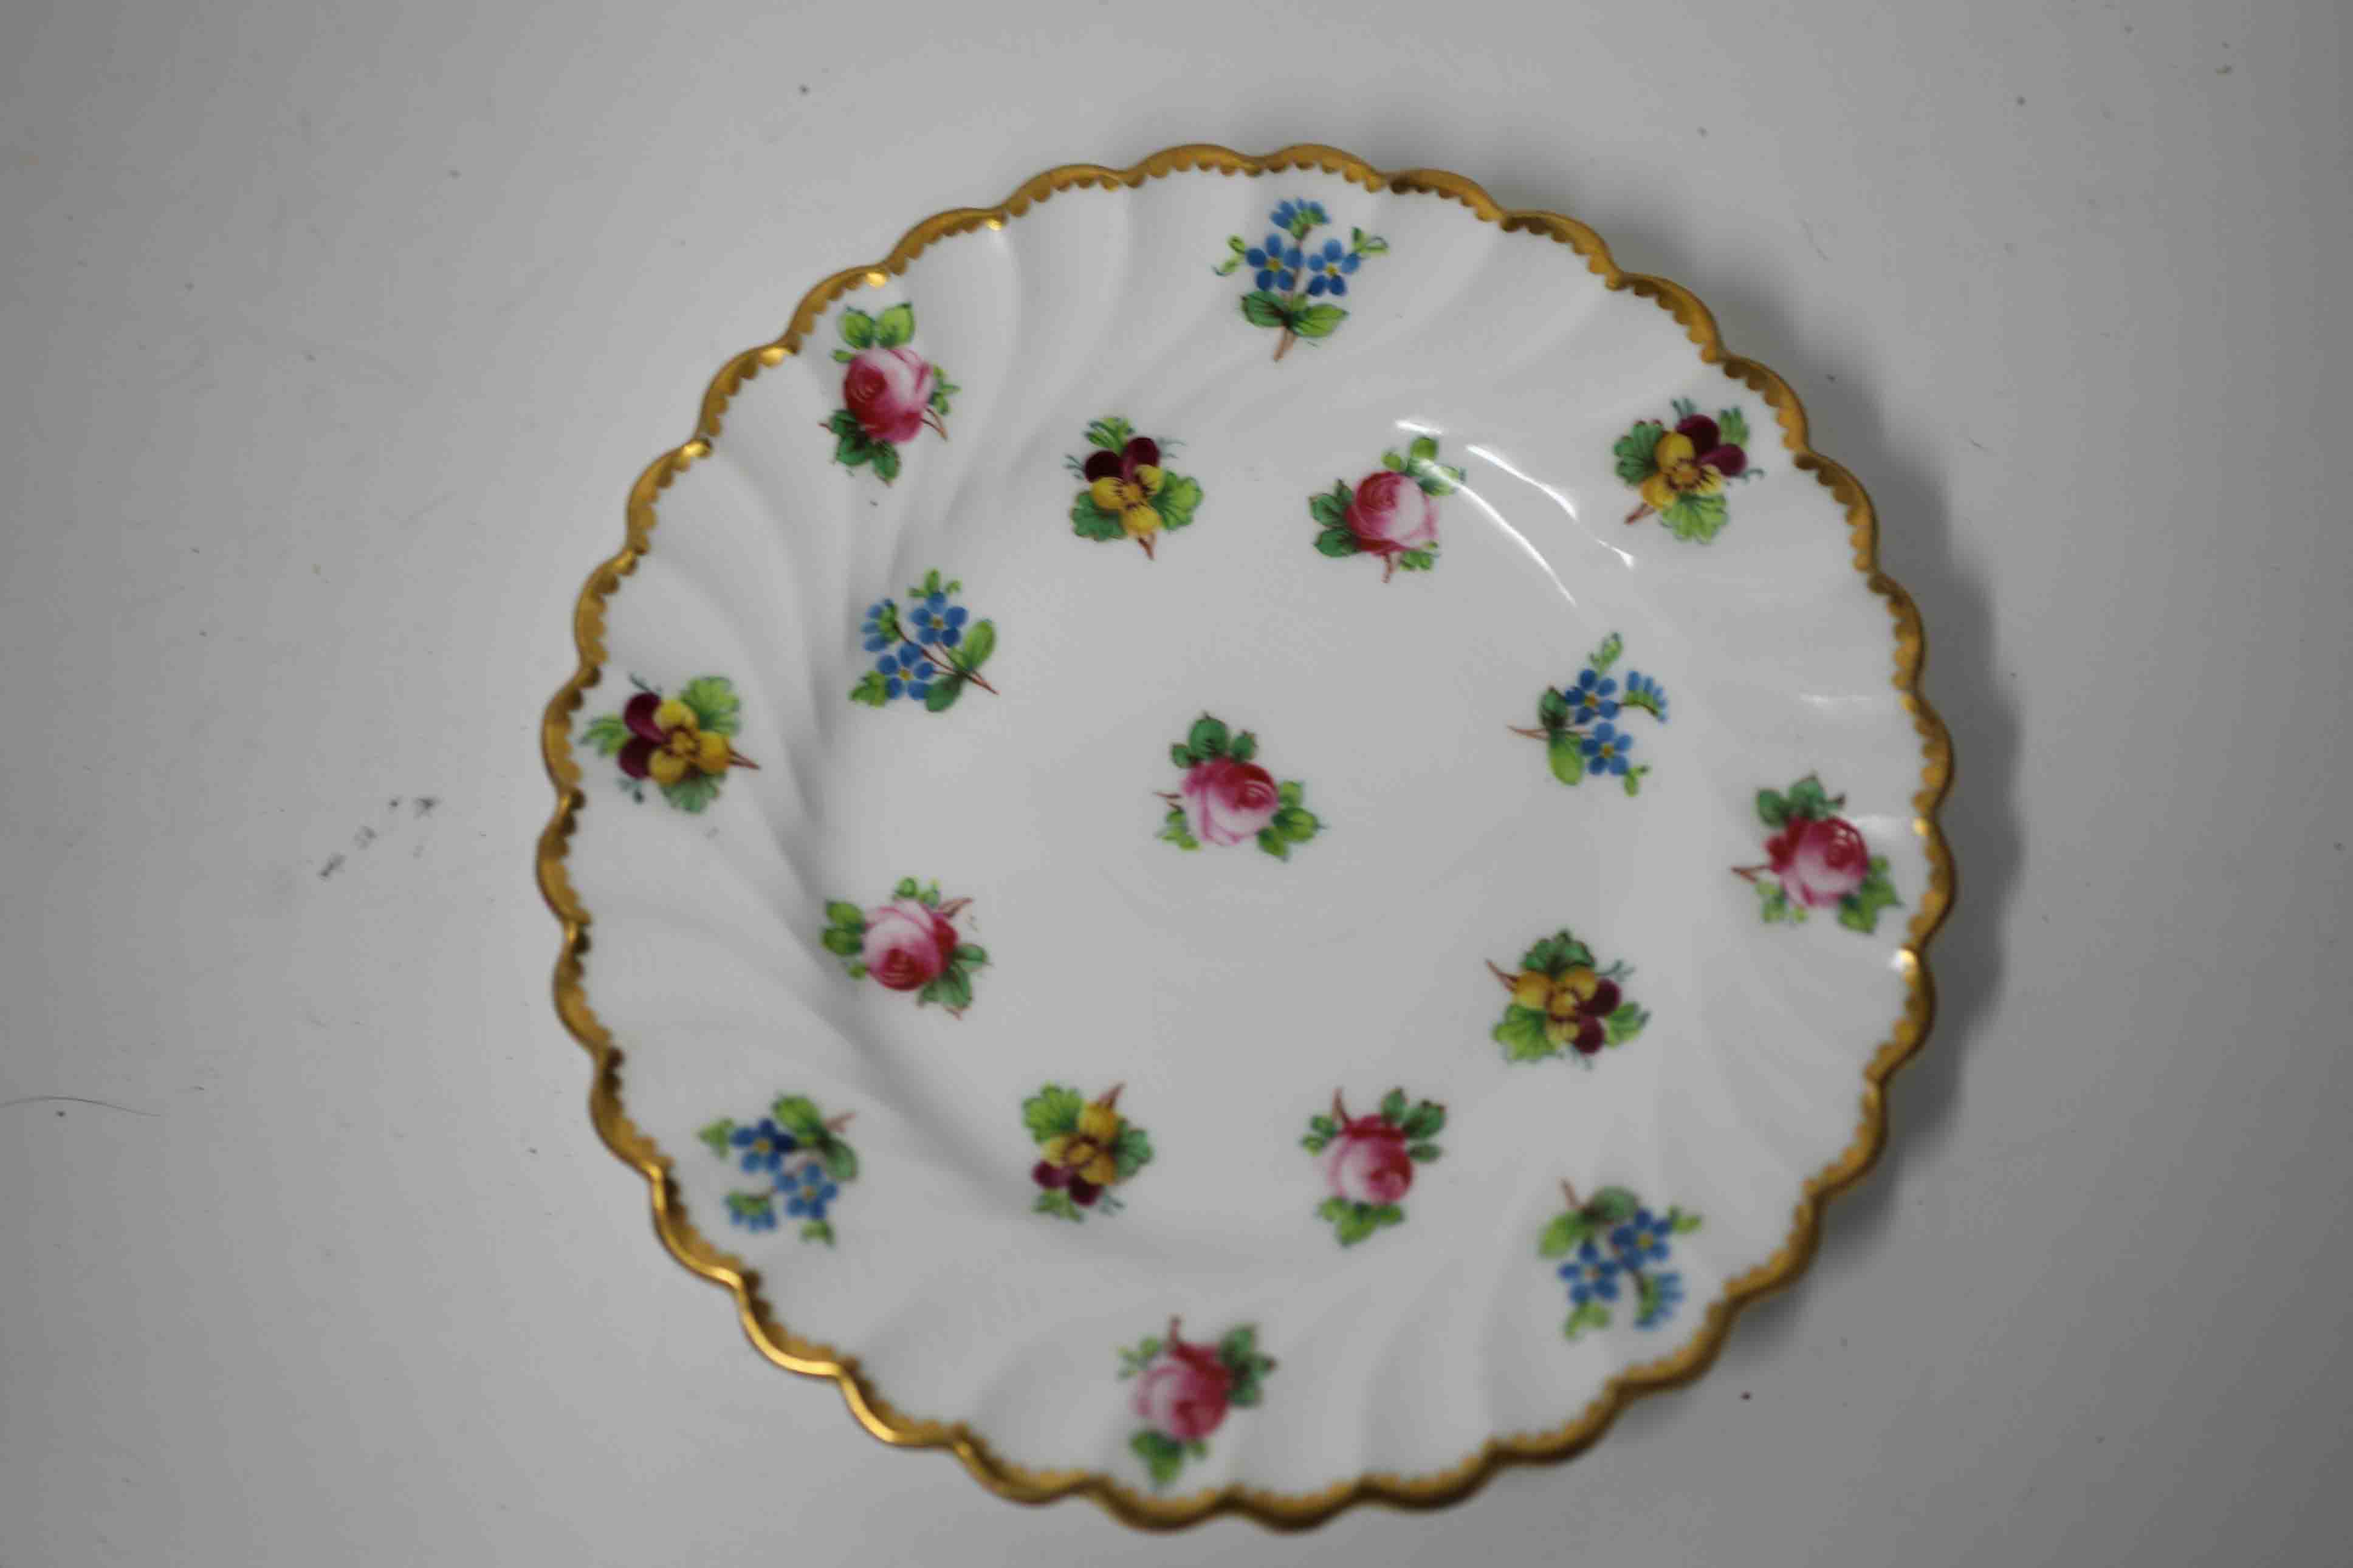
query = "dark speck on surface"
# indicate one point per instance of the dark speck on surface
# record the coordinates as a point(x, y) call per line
point(335, 864)
point(61, 1101)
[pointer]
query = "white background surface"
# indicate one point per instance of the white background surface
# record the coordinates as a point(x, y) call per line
point(332, 336)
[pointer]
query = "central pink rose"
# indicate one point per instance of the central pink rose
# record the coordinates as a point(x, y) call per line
point(908, 944)
point(1819, 862)
point(888, 390)
point(1391, 514)
point(1370, 1164)
point(1183, 1393)
point(1231, 800)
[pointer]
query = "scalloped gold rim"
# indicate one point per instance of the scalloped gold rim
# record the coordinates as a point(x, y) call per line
point(1276, 1509)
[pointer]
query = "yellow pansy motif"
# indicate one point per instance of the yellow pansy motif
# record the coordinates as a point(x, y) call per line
point(1085, 1148)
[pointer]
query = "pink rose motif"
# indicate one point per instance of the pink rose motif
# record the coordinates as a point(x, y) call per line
point(1183, 1393)
point(1231, 800)
point(1370, 1164)
point(888, 390)
point(1818, 860)
point(1392, 514)
point(908, 944)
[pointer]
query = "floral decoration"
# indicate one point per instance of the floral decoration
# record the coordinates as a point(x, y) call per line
point(1295, 280)
point(1392, 512)
point(1085, 1148)
point(1816, 859)
point(798, 1154)
point(1128, 494)
point(1611, 1247)
point(1227, 798)
point(911, 943)
point(928, 652)
point(1680, 474)
point(1370, 1161)
point(1562, 1001)
point(1583, 726)
point(1183, 1390)
point(888, 392)
point(683, 744)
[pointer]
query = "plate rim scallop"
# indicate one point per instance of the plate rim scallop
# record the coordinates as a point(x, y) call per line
point(1282, 1510)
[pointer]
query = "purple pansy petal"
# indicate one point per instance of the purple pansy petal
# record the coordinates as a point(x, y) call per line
point(1141, 452)
point(1702, 431)
point(633, 757)
point(637, 714)
point(1728, 459)
point(1102, 465)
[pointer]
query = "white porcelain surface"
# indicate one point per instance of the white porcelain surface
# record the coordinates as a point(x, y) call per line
point(1228, 992)
point(340, 332)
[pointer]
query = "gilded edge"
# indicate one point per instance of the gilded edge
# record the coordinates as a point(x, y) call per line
point(1276, 1509)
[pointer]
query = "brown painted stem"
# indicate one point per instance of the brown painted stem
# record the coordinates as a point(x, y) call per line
point(1749, 873)
point(1283, 347)
point(1339, 1112)
point(836, 1123)
point(942, 656)
point(953, 907)
point(737, 759)
point(1111, 1101)
point(1531, 733)
point(1510, 981)
point(1639, 513)
point(1570, 1194)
